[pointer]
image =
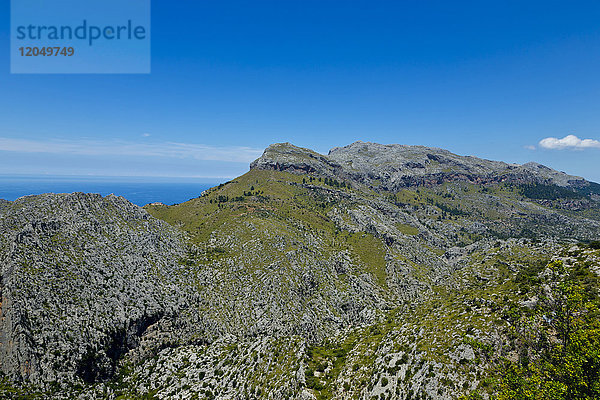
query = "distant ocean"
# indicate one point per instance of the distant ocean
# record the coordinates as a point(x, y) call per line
point(138, 191)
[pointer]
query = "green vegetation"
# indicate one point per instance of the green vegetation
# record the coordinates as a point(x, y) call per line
point(354, 352)
point(278, 203)
point(10, 391)
point(371, 252)
point(559, 351)
point(548, 192)
point(554, 347)
point(593, 188)
point(407, 229)
point(297, 211)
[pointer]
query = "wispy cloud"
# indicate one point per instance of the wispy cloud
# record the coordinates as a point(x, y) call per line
point(123, 148)
point(569, 142)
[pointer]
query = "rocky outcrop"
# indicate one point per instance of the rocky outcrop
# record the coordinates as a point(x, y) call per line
point(393, 167)
point(289, 158)
point(82, 278)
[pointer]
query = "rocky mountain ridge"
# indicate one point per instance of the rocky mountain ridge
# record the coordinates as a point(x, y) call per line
point(367, 272)
point(393, 167)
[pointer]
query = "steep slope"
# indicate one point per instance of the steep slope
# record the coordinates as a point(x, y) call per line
point(283, 269)
point(82, 278)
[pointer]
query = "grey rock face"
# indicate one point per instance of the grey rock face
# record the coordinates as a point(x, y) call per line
point(82, 277)
point(395, 166)
point(289, 158)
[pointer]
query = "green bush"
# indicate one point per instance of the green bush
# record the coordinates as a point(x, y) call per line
point(559, 355)
point(594, 245)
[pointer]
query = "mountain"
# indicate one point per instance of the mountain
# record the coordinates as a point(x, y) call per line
point(373, 271)
point(394, 167)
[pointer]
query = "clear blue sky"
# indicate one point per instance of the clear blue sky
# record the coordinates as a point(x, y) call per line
point(229, 77)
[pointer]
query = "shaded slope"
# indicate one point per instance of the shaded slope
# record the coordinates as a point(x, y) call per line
point(82, 278)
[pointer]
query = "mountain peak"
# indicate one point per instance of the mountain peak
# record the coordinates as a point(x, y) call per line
point(396, 166)
point(291, 158)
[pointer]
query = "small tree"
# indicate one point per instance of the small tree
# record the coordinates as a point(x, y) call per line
point(559, 349)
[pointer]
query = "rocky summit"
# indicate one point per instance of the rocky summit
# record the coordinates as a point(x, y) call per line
point(373, 272)
point(394, 167)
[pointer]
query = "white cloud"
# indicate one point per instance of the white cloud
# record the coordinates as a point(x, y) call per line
point(569, 142)
point(122, 148)
point(530, 147)
point(146, 135)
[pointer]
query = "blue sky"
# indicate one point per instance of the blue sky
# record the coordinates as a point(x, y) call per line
point(490, 79)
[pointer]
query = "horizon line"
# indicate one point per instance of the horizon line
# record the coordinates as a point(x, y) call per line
point(92, 176)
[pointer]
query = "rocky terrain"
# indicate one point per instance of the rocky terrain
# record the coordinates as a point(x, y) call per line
point(376, 271)
point(82, 277)
point(393, 167)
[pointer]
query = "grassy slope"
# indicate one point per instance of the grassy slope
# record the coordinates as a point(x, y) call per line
point(277, 203)
point(419, 339)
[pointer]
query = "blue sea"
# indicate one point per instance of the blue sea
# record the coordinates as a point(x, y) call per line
point(138, 191)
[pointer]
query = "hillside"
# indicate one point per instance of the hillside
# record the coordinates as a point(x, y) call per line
point(373, 271)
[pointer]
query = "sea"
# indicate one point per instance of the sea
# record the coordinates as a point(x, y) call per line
point(140, 191)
